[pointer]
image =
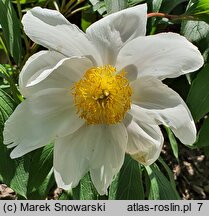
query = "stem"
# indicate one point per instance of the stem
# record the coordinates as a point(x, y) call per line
point(68, 5)
point(27, 45)
point(17, 96)
point(34, 48)
point(14, 90)
point(47, 2)
point(5, 50)
point(149, 15)
point(19, 9)
point(62, 5)
point(171, 17)
point(77, 3)
point(77, 10)
point(56, 5)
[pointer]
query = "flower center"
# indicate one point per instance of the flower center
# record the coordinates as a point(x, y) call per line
point(102, 96)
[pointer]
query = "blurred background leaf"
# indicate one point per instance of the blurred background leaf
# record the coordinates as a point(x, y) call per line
point(203, 139)
point(11, 29)
point(168, 5)
point(199, 9)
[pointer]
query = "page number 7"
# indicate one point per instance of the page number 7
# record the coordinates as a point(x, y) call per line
point(200, 205)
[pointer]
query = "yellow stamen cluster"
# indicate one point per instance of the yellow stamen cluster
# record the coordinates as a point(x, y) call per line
point(102, 96)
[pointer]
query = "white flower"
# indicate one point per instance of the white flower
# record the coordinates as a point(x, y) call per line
point(100, 95)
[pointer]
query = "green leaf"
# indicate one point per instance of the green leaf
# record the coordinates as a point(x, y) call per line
point(134, 2)
point(173, 143)
point(29, 175)
point(195, 31)
point(85, 190)
point(115, 5)
point(170, 175)
point(28, 1)
point(198, 97)
point(169, 5)
point(160, 186)
point(6, 108)
point(66, 195)
point(128, 184)
point(11, 29)
point(154, 5)
point(5, 72)
point(13, 172)
point(199, 9)
point(99, 6)
point(41, 178)
point(20, 177)
point(206, 151)
point(203, 140)
point(87, 18)
point(104, 7)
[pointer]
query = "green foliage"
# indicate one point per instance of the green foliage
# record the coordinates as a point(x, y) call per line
point(156, 5)
point(87, 18)
point(5, 72)
point(203, 140)
point(169, 173)
point(85, 190)
point(29, 1)
point(133, 182)
point(31, 175)
point(6, 108)
point(12, 172)
point(41, 178)
point(198, 98)
point(168, 5)
point(173, 142)
point(66, 195)
point(19, 179)
point(199, 9)
point(99, 6)
point(195, 30)
point(116, 5)
point(104, 7)
point(160, 186)
point(128, 183)
point(11, 28)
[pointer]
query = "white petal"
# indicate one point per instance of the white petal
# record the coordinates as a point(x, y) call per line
point(112, 32)
point(165, 106)
point(164, 55)
point(141, 114)
point(50, 29)
point(107, 159)
point(42, 71)
point(39, 119)
point(144, 142)
point(72, 155)
point(37, 63)
point(65, 72)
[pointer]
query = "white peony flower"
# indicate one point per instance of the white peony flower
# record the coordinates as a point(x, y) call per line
point(98, 95)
